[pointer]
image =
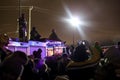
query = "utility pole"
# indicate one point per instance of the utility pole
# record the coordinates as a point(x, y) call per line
point(29, 28)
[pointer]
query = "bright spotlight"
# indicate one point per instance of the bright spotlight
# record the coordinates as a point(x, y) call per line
point(74, 21)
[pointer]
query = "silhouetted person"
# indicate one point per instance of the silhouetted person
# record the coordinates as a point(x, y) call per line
point(62, 63)
point(111, 63)
point(35, 36)
point(28, 73)
point(40, 66)
point(118, 45)
point(22, 28)
point(98, 47)
point(53, 36)
point(13, 66)
point(80, 53)
point(4, 40)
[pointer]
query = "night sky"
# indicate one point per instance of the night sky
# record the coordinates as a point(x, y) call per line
point(101, 18)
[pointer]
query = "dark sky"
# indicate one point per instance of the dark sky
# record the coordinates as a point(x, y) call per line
point(101, 17)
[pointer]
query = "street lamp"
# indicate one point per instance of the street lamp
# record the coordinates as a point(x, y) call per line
point(75, 22)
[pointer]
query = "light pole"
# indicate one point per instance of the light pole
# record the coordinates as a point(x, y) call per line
point(30, 9)
point(75, 22)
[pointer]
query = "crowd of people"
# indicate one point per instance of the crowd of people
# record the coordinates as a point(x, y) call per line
point(19, 66)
